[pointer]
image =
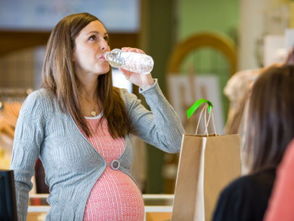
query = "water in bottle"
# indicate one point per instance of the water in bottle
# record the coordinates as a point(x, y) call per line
point(131, 61)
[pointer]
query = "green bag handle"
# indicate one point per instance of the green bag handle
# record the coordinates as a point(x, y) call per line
point(196, 105)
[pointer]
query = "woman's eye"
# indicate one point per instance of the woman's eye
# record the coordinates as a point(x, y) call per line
point(106, 38)
point(92, 38)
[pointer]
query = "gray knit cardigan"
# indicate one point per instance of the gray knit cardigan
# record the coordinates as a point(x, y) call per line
point(71, 164)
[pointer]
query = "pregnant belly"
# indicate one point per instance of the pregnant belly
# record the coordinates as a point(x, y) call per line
point(114, 197)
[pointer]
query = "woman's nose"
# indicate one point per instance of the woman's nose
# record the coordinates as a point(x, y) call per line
point(104, 46)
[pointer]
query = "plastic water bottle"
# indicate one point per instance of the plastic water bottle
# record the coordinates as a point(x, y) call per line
point(131, 61)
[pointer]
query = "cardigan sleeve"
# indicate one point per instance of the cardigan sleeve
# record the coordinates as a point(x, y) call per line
point(29, 135)
point(161, 126)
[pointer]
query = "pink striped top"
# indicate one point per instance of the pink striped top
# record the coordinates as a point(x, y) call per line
point(114, 196)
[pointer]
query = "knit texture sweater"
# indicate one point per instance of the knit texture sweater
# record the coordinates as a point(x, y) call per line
point(71, 164)
point(115, 196)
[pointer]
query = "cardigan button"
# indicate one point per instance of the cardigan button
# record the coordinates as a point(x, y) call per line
point(115, 164)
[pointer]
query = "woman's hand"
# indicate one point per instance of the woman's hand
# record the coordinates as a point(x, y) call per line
point(143, 81)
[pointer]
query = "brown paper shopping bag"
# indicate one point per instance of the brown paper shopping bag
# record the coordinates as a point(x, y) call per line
point(207, 164)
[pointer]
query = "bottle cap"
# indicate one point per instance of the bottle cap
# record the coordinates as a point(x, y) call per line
point(114, 58)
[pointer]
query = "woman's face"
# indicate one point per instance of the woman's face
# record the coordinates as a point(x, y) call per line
point(90, 44)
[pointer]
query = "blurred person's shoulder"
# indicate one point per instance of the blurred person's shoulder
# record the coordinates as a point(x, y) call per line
point(252, 185)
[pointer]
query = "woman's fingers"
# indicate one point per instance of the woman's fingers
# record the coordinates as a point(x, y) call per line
point(132, 50)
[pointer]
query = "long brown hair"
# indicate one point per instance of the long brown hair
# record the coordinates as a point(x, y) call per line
point(60, 78)
point(270, 123)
